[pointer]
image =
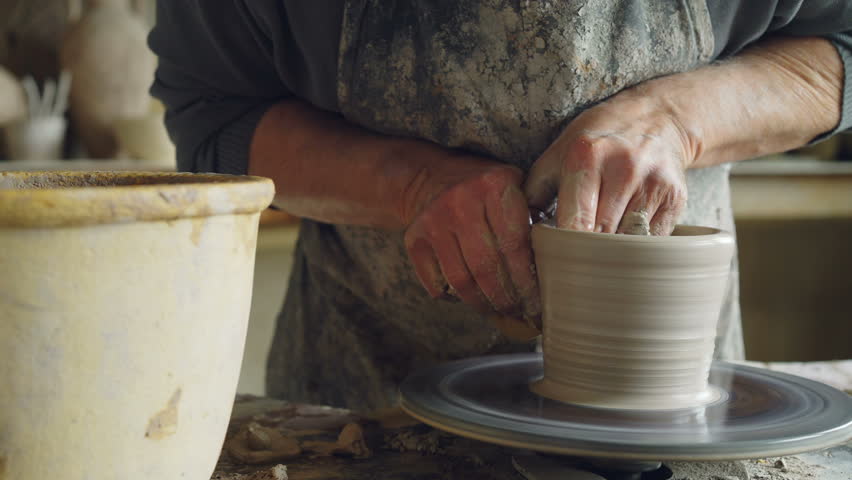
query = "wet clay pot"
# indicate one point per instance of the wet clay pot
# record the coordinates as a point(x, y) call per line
point(125, 300)
point(630, 321)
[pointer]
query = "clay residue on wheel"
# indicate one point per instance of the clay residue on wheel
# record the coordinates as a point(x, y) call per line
point(164, 422)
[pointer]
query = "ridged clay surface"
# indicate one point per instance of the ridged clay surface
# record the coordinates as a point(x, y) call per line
point(630, 321)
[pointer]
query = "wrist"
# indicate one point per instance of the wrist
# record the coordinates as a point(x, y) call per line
point(774, 97)
point(653, 103)
point(434, 169)
point(426, 168)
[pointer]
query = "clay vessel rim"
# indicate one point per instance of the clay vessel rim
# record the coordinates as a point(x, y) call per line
point(710, 234)
point(43, 199)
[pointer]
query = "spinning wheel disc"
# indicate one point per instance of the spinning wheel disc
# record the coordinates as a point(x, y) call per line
point(760, 413)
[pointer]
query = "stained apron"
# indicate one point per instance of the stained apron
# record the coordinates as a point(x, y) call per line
point(500, 78)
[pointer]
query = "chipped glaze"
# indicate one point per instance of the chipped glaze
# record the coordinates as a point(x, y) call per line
point(630, 321)
point(125, 300)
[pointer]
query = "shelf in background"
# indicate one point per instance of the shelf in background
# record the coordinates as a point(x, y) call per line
point(791, 188)
point(85, 165)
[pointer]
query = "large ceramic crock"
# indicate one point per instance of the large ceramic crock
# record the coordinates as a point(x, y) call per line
point(630, 321)
point(124, 301)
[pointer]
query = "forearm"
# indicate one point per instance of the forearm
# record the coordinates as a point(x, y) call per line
point(465, 217)
point(775, 96)
point(329, 170)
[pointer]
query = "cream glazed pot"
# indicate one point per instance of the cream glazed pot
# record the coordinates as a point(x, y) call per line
point(125, 300)
point(630, 321)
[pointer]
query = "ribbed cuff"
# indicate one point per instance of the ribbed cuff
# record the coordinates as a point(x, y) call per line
point(234, 142)
point(843, 43)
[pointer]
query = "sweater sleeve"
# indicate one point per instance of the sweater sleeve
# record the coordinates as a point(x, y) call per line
point(843, 43)
point(216, 77)
point(738, 23)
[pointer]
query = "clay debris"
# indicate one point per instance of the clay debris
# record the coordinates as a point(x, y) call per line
point(350, 442)
point(278, 472)
point(785, 468)
point(256, 444)
point(732, 470)
point(409, 441)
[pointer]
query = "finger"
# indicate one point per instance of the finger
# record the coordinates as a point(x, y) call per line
point(667, 214)
point(578, 200)
point(619, 184)
point(542, 182)
point(479, 247)
point(580, 184)
point(509, 222)
point(455, 270)
point(426, 266)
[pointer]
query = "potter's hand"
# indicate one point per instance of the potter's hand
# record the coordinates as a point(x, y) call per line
point(629, 153)
point(470, 236)
point(618, 160)
point(465, 217)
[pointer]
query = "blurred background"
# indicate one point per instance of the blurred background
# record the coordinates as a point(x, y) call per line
point(74, 78)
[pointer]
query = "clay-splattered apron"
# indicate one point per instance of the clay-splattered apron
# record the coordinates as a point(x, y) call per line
point(497, 77)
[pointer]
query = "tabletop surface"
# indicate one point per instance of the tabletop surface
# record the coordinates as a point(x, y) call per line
point(277, 440)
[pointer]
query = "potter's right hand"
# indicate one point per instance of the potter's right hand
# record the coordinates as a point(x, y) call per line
point(470, 236)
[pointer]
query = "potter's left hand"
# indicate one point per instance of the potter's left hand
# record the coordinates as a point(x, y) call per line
point(625, 155)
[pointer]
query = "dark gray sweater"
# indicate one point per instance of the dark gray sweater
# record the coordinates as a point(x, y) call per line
point(223, 63)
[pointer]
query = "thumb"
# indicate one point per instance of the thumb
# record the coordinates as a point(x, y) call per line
point(575, 192)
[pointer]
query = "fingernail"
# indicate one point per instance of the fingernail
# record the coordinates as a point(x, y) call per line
point(598, 228)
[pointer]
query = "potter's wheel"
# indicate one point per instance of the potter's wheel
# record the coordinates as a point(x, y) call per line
point(760, 414)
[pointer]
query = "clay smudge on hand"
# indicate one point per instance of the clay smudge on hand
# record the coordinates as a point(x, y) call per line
point(636, 223)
